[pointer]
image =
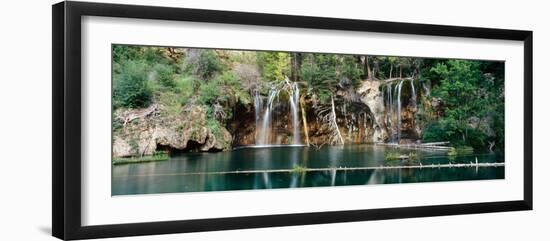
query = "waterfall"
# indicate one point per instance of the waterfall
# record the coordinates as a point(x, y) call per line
point(264, 122)
point(413, 92)
point(265, 129)
point(294, 98)
point(389, 107)
point(394, 106)
point(258, 104)
point(399, 111)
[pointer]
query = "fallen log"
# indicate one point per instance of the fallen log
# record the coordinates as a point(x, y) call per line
point(416, 146)
point(439, 143)
point(305, 169)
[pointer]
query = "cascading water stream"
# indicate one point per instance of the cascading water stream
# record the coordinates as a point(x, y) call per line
point(294, 98)
point(258, 103)
point(413, 92)
point(265, 129)
point(264, 122)
point(399, 111)
point(394, 107)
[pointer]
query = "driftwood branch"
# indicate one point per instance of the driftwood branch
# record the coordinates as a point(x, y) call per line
point(130, 115)
point(334, 123)
point(439, 143)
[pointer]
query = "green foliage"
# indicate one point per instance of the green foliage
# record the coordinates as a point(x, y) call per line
point(462, 150)
point(130, 86)
point(116, 125)
point(446, 129)
point(184, 87)
point(171, 103)
point(220, 95)
point(467, 94)
point(460, 90)
point(243, 57)
point(299, 169)
point(274, 66)
point(124, 53)
point(214, 126)
point(205, 65)
point(209, 93)
point(498, 124)
point(322, 73)
point(151, 55)
point(351, 69)
point(165, 75)
point(209, 64)
point(233, 89)
point(226, 89)
point(395, 157)
point(460, 82)
point(319, 71)
point(392, 156)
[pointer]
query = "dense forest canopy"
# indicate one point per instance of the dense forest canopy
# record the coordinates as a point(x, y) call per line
point(460, 101)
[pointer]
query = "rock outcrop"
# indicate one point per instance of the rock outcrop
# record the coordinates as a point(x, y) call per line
point(188, 130)
point(373, 97)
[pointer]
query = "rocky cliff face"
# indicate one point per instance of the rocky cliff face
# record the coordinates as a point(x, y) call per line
point(144, 131)
point(373, 97)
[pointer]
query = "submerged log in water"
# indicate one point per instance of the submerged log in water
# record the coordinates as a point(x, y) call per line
point(424, 146)
point(306, 169)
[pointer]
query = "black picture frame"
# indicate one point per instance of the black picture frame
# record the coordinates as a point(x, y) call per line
point(66, 128)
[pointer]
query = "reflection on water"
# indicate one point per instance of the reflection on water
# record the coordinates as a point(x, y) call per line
point(196, 172)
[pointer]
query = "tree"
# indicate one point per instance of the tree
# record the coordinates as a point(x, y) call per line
point(349, 68)
point(274, 65)
point(460, 89)
point(319, 71)
point(165, 75)
point(392, 61)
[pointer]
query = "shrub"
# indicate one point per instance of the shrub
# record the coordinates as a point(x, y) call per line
point(184, 86)
point(392, 156)
point(209, 93)
point(447, 130)
point(130, 87)
point(434, 131)
point(462, 150)
point(203, 63)
point(225, 89)
point(165, 75)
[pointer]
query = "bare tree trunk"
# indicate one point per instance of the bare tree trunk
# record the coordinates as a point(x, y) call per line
point(304, 120)
point(334, 120)
point(391, 70)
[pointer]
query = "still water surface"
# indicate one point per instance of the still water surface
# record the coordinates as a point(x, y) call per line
point(197, 172)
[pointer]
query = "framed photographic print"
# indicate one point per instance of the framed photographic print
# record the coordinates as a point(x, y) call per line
point(170, 120)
